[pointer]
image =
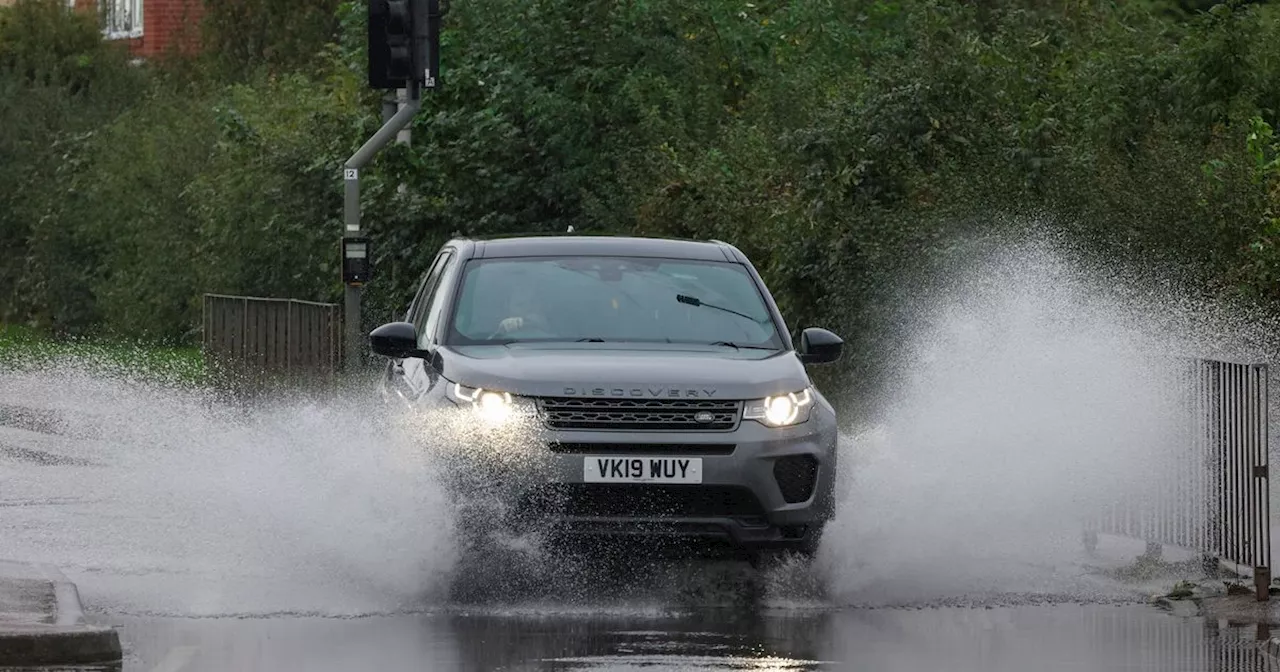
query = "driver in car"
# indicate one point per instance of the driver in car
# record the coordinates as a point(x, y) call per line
point(526, 312)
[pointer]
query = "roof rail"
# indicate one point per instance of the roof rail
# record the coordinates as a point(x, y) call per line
point(539, 234)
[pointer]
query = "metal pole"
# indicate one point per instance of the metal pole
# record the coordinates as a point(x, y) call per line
point(405, 134)
point(402, 99)
point(351, 216)
point(390, 105)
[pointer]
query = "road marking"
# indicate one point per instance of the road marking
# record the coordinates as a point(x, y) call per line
point(177, 659)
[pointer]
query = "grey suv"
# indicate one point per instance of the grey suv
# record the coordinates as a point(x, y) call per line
point(621, 386)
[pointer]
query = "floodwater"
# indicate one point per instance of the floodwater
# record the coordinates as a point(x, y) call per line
point(303, 535)
point(1059, 637)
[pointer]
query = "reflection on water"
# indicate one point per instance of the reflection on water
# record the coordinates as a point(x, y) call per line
point(1059, 637)
point(1136, 642)
point(712, 640)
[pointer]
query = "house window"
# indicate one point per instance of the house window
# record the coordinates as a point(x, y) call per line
point(121, 18)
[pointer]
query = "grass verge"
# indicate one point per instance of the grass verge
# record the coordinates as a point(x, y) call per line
point(22, 348)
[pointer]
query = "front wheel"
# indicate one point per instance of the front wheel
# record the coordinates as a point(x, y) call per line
point(804, 551)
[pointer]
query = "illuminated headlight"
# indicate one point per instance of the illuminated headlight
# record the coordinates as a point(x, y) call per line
point(781, 410)
point(492, 406)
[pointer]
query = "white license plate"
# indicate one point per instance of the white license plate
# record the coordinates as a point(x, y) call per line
point(642, 469)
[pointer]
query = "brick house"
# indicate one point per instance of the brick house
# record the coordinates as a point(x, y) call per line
point(149, 27)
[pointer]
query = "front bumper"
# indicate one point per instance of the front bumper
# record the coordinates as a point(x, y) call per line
point(761, 486)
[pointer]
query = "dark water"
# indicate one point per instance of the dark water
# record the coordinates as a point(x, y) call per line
point(1057, 637)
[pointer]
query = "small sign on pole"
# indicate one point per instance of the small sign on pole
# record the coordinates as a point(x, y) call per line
point(356, 266)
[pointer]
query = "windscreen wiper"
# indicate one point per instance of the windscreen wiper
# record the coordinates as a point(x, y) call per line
point(742, 346)
point(695, 301)
point(591, 339)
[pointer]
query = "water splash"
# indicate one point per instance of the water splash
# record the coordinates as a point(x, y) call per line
point(290, 506)
point(1034, 387)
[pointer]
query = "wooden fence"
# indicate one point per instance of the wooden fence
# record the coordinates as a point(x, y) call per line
point(255, 342)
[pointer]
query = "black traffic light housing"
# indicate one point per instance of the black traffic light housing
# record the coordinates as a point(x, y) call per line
point(404, 43)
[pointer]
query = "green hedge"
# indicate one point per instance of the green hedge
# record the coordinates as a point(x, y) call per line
point(844, 146)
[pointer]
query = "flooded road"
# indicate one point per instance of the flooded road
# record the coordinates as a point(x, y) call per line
point(314, 536)
point(1059, 637)
point(301, 540)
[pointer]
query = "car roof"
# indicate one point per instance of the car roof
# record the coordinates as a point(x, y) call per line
point(628, 246)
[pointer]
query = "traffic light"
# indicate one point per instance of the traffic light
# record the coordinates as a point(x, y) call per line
point(404, 43)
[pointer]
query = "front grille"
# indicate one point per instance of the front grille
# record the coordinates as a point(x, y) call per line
point(642, 448)
point(640, 500)
point(796, 475)
point(640, 414)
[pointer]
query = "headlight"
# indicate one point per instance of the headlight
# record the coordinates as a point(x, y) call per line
point(782, 410)
point(492, 406)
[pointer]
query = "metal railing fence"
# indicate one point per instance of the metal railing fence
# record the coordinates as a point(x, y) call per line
point(1210, 491)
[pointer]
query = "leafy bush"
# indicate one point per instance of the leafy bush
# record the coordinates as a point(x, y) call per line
point(272, 189)
point(59, 81)
point(844, 146)
point(241, 37)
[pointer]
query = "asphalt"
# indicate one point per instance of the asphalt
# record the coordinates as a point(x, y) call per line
point(42, 621)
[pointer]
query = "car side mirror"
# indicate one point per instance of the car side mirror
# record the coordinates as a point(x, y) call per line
point(819, 346)
point(395, 339)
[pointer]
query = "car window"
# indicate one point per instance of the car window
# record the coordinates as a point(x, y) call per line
point(436, 304)
point(429, 287)
point(425, 285)
point(611, 298)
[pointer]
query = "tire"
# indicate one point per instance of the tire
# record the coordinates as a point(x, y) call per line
point(765, 558)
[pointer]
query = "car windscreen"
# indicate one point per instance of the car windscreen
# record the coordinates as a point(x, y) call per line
point(611, 299)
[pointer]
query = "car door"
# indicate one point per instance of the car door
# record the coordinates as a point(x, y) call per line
point(411, 377)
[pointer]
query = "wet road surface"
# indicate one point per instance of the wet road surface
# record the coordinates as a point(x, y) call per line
point(303, 540)
point(1058, 637)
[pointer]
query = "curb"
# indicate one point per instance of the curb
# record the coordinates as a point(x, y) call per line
point(67, 597)
point(67, 641)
